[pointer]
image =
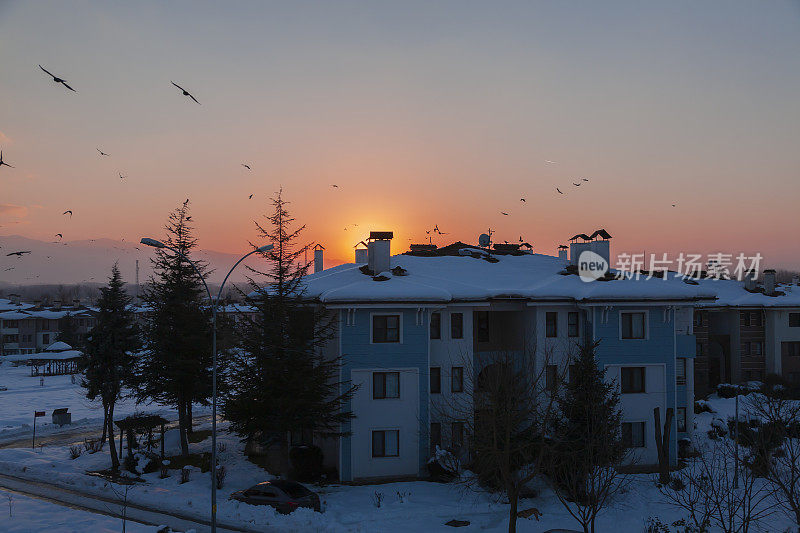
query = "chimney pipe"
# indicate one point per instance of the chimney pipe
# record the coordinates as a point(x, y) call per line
point(769, 281)
point(57, 305)
point(362, 254)
point(750, 280)
point(563, 252)
point(379, 251)
point(76, 303)
point(318, 259)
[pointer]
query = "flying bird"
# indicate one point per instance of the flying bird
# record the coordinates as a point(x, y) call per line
point(187, 220)
point(59, 236)
point(18, 254)
point(68, 211)
point(559, 190)
point(246, 166)
point(3, 162)
point(250, 197)
point(58, 80)
point(185, 92)
point(576, 184)
point(503, 213)
point(101, 152)
point(585, 179)
point(122, 176)
point(335, 186)
point(522, 199)
point(673, 205)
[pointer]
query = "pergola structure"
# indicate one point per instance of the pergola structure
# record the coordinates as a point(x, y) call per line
point(140, 424)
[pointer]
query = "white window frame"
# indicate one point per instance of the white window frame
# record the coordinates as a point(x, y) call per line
point(646, 323)
point(372, 450)
point(680, 380)
point(399, 385)
point(399, 325)
point(678, 417)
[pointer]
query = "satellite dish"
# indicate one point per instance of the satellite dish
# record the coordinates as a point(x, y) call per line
point(484, 240)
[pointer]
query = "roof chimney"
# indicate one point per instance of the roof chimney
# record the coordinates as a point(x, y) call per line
point(76, 303)
point(750, 280)
point(379, 251)
point(769, 281)
point(598, 242)
point(318, 263)
point(563, 252)
point(14, 298)
point(362, 254)
point(57, 305)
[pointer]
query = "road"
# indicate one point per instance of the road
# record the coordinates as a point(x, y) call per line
point(112, 506)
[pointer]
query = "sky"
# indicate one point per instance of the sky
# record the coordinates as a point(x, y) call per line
point(423, 113)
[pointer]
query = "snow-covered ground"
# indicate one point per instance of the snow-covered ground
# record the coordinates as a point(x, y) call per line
point(413, 505)
point(26, 394)
point(21, 514)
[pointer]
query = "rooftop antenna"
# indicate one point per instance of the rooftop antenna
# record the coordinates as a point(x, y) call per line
point(137, 279)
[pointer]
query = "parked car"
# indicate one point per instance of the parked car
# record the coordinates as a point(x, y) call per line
point(283, 495)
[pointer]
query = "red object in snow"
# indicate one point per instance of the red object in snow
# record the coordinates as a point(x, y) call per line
point(38, 413)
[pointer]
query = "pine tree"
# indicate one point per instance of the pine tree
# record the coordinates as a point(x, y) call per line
point(108, 361)
point(279, 380)
point(587, 443)
point(68, 331)
point(175, 367)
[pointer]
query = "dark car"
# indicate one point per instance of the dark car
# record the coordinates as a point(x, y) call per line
point(283, 495)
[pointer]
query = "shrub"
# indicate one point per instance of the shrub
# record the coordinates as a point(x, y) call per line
point(92, 445)
point(377, 499)
point(726, 390)
point(306, 462)
point(221, 472)
point(653, 524)
point(74, 452)
point(702, 406)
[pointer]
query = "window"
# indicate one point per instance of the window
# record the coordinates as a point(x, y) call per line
point(551, 378)
point(436, 435)
point(633, 325)
point(681, 419)
point(633, 434)
point(698, 319)
point(386, 443)
point(699, 349)
point(456, 325)
point(10, 323)
point(790, 349)
point(632, 379)
point(46, 338)
point(745, 348)
point(482, 326)
point(551, 324)
point(436, 380)
point(680, 371)
point(457, 379)
point(386, 328)
point(457, 437)
point(755, 318)
point(744, 317)
point(756, 349)
point(436, 325)
point(385, 385)
point(572, 324)
point(794, 320)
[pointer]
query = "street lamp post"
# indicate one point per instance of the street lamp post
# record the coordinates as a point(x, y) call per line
point(214, 303)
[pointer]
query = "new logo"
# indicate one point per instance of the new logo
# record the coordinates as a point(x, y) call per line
point(591, 266)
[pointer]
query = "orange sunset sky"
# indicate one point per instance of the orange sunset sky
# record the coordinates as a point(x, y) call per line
point(422, 113)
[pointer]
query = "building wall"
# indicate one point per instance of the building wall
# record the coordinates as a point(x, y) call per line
point(656, 352)
point(777, 332)
point(360, 357)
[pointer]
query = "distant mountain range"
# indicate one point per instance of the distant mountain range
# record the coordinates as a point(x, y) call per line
point(90, 261)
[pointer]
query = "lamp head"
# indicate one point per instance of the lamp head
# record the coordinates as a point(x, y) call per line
point(265, 248)
point(152, 242)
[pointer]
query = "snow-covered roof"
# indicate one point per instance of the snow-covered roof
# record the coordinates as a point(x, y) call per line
point(444, 279)
point(731, 293)
point(58, 346)
point(43, 356)
point(14, 315)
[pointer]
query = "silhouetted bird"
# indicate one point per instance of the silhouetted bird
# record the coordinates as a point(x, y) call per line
point(576, 184)
point(18, 254)
point(3, 162)
point(57, 79)
point(250, 197)
point(67, 211)
point(246, 166)
point(503, 213)
point(584, 179)
point(522, 199)
point(559, 190)
point(187, 218)
point(59, 236)
point(185, 92)
point(335, 186)
point(122, 176)
point(673, 205)
point(101, 152)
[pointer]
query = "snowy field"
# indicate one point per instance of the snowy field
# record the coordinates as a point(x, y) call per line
point(415, 505)
point(22, 514)
point(26, 394)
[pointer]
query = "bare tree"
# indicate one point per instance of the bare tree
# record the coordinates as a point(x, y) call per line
point(734, 503)
point(662, 442)
point(504, 410)
point(779, 440)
